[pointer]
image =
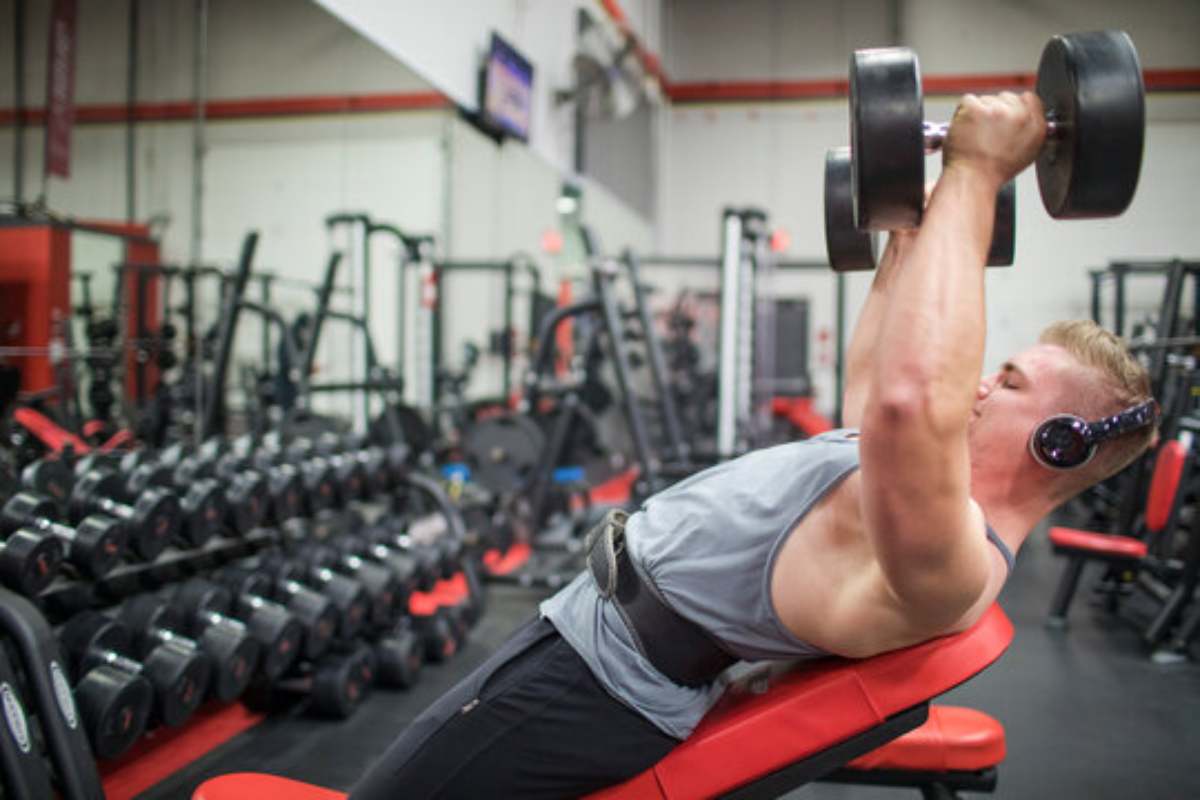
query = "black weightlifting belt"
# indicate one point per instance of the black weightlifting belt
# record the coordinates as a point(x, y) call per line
point(678, 648)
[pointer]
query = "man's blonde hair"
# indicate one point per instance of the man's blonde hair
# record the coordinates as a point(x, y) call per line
point(1124, 382)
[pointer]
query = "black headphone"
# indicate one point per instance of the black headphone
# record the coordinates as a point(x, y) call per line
point(1066, 441)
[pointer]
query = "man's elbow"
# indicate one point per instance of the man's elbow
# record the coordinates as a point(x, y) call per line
point(911, 407)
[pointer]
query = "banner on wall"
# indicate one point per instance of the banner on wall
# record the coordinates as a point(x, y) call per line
point(60, 88)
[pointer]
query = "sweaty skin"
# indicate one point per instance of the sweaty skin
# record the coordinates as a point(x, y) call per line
point(897, 553)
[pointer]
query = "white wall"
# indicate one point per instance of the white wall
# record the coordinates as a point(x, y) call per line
point(771, 155)
point(424, 171)
point(445, 43)
point(279, 176)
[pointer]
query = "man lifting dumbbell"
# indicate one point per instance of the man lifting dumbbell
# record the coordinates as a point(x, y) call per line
point(897, 530)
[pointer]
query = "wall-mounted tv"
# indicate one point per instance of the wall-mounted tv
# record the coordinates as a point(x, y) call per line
point(506, 89)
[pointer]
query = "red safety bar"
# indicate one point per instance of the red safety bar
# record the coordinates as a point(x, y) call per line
point(48, 432)
point(800, 413)
point(749, 736)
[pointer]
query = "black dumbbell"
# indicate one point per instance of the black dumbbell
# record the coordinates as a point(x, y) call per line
point(284, 486)
point(385, 591)
point(316, 476)
point(94, 546)
point(152, 522)
point(114, 706)
point(178, 676)
point(52, 478)
point(438, 635)
point(231, 651)
point(1091, 89)
point(346, 473)
point(850, 249)
point(205, 604)
point(430, 533)
point(425, 562)
point(399, 656)
point(316, 613)
point(372, 466)
point(28, 562)
point(402, 566)
point(335, 685)
point(245, 493)
point(202, 502)
point(346, 594)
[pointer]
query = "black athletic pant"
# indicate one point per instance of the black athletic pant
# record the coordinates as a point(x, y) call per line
point(530, 722)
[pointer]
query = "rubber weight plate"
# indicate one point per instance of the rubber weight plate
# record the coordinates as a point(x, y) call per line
point(1091, 85)
point(848, 248)
point(887, 143)
point(1004, 227)
point(503, 452)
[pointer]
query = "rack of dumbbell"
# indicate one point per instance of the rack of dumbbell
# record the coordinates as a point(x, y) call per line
point(141, 586)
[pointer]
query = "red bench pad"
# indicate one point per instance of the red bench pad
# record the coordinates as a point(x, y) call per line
point(747, 736)
point(953, 739)
point(1101, 545)
point(243, 785)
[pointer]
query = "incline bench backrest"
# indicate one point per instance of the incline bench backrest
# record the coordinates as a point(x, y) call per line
point(749, 736)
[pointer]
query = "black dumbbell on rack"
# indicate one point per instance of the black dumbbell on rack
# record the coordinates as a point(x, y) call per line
point(233, 653)
point(316, 474)
point(205, 605)
point(94, 547)
point(347, 595)
point(244, 494)
point(314, 612)
point(335, 685)
point(283, 483)
point(202, 502)
point(179, 677)
point(29, 562)
point(152, 522)
point(386, 591)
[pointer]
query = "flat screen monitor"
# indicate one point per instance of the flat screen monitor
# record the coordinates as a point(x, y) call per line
point(507, 102)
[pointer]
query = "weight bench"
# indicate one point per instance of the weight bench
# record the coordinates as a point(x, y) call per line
point(820, 722)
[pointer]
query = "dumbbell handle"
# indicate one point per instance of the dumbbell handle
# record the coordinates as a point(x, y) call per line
point(935, 133)
point(114, 509)
point(115, 659)
point(48, 526)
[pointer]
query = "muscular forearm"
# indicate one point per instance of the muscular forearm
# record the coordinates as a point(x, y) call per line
point(861, 351)
point(929, 350)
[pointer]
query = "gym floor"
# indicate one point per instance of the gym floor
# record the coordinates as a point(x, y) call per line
point(1087, 715)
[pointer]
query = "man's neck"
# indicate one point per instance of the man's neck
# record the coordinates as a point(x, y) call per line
point(1014, 507)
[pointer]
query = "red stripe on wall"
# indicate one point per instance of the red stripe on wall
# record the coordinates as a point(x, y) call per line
point(249, 108)
point(1157, 80)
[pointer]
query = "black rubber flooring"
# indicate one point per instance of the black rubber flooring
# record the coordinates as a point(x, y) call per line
point(1087, 715)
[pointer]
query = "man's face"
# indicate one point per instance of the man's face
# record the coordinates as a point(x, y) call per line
point(1009, 404)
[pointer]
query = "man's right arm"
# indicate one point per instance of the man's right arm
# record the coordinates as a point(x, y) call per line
point(926, 532)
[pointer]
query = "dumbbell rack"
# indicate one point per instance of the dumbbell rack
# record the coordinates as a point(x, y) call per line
point(26, 622)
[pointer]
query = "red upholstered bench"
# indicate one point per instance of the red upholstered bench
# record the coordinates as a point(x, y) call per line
point(810, 723)
point(1123, 552)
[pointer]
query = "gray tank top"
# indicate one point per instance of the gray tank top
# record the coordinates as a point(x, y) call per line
point(709, 543)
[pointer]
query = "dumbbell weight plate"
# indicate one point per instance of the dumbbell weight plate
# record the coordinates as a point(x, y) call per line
point(338, 686)
point(887, 141)
point(181, 677)
point(400, 656)
point(849, 249)
point(1091, 85)
point(114, 706)
point(235, 654)
point(29, 562)
point(1004, 227)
